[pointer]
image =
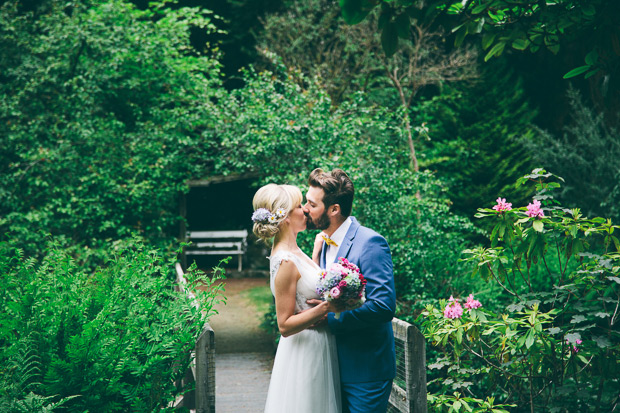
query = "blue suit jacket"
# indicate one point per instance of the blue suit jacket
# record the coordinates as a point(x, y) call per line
point(364, 336)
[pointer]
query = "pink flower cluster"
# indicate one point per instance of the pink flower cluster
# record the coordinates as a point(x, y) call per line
point(575, 349)
point(471, 303)
point(454, 309)
point(502, 205)
point(342, 281)
point(533, 209)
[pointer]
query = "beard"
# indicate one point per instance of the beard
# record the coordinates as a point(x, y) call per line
point(321, 223)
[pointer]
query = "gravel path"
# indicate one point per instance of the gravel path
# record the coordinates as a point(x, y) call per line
point(243, 351)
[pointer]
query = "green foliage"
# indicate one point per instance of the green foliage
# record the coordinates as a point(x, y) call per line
point(285, 130)
point(476, 135)
point(558, 337)
point(103, 113)
point(311, 37)
point(114, 340)
point(587, 156)
point(504, 24)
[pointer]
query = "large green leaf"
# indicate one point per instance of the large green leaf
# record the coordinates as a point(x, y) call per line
point(577, 71)
point(389, 39)
point(354, 11)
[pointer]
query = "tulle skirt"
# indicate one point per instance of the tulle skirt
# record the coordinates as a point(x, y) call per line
point(305, 377)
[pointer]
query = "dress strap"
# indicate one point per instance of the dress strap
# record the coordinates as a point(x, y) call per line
point(274, 265)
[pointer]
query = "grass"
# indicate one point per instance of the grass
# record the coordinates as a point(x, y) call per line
point(260, 297)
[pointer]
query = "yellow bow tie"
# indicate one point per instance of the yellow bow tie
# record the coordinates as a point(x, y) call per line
point(329, 241)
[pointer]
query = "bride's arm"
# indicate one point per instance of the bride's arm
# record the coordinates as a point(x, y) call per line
point(290, 323)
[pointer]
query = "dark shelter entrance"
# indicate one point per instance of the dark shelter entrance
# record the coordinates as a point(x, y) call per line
point(224, 204)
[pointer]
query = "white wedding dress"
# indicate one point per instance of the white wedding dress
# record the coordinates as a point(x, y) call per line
point(305, 377)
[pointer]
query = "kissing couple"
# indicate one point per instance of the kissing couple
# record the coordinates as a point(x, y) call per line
point(329, 359)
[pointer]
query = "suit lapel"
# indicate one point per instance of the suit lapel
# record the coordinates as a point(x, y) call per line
point(345, 247)
point(323, 255)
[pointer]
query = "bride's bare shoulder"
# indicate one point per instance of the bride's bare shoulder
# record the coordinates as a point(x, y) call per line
point(288, 272)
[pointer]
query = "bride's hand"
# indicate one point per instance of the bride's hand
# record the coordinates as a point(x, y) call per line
point(318, 245)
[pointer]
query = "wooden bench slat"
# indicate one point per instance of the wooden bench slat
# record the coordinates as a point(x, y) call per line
point(218, 252)
point(218, 234)
point(238, 245)
point(231, 242)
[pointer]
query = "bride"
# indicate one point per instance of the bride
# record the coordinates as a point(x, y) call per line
point(305, 377)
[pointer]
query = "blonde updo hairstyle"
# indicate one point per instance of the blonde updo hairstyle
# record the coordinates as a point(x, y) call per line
point(273, 197)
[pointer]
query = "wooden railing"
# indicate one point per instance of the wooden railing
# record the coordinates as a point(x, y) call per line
point(202, 371)
point(409, 387)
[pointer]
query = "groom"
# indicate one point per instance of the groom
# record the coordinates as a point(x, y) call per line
point(364, 336)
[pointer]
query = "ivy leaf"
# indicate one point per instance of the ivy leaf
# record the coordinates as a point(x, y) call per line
point(601, 341)
point(515, 307)
point(577, 319)
point(573, 337)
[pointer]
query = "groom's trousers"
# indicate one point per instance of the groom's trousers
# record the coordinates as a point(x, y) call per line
point(369, 397)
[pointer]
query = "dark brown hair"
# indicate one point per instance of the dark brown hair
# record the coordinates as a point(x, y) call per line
point(337, 186)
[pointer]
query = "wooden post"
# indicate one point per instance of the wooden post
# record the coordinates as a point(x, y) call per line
point(205, 371)
point(409, 388)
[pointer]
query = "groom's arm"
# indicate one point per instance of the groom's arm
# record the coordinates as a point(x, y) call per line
point(376, 266)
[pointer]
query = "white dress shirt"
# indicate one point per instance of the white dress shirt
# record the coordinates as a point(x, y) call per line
point(338, 238)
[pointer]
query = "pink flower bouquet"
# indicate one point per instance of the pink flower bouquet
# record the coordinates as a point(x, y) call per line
point(343, 282)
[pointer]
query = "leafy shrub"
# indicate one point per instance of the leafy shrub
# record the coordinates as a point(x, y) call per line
point(276, 128)
point(103, 114)
point(554, 346)
point(114, 340)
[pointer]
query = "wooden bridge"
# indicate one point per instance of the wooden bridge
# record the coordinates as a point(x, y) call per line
point(243, 378)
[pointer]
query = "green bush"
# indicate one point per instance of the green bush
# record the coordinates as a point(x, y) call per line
point(278, 129)
point(103, 112)
point(554, 346)
point(110, 341)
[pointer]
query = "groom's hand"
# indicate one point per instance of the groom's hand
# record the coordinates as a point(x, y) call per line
point(334, 306)
point(318, 245)
point(314, 302)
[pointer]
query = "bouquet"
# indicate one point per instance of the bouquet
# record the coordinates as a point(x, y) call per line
point(344, 282)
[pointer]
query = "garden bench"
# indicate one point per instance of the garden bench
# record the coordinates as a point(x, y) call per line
point(218, 243)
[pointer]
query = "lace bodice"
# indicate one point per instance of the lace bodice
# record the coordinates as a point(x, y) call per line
point(306, 285)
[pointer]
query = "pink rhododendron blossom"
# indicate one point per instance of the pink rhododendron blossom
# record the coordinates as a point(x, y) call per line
point(533, 209)
point(502, 205)
point(471, 303)
point(453, 309)
point(575, 349)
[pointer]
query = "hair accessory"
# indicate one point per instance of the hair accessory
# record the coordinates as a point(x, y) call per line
point(264, 216)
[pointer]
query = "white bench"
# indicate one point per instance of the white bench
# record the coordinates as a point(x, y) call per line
point(218, 243)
